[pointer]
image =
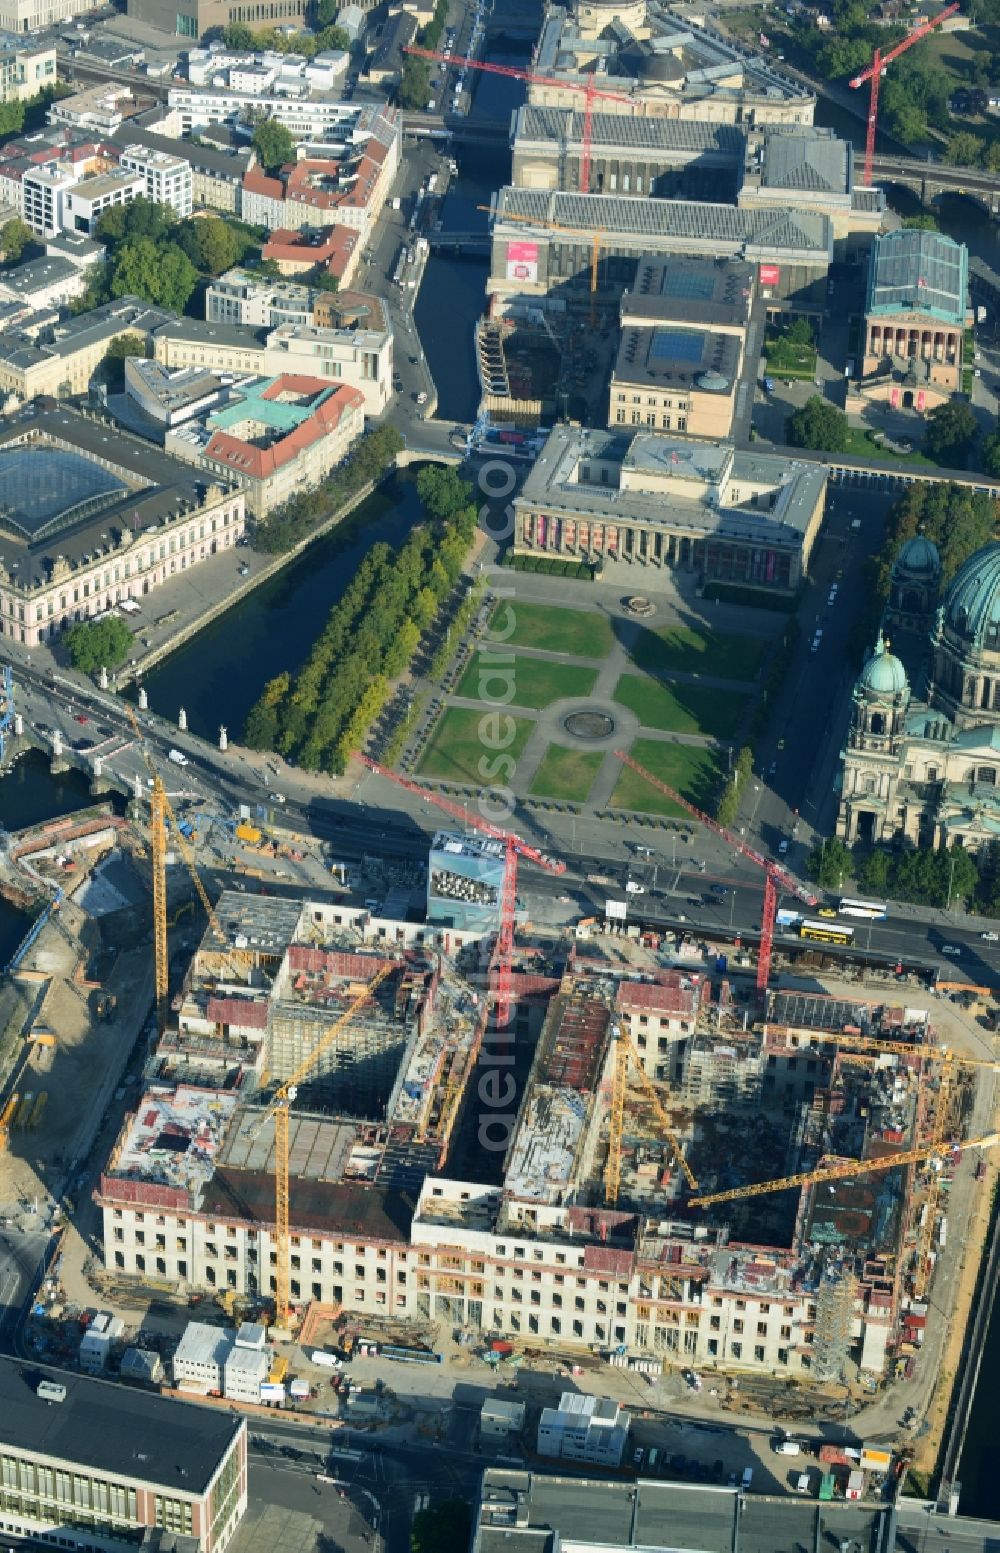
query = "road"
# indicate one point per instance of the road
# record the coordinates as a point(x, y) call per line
point(384, 819)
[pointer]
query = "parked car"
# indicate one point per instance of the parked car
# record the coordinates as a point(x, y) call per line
point(951, 949)
point(990, 937)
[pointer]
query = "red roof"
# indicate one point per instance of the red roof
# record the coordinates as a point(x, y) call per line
point(246, 1013)
point(259, 463)
point(674, 995)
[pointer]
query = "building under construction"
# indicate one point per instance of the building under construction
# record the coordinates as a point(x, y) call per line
point(673, 1179)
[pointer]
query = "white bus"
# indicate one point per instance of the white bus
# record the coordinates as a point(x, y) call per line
point(870, 911)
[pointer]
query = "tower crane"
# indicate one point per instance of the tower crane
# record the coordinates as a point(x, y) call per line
point(847, 1170)
point(160, 811)
point(774, 874)
point(876, 70)
point(279, 1108)
point(623, 1052)
point(591, 94)
point(514, 848)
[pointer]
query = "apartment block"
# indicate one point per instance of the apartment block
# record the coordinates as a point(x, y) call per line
point(169, 180)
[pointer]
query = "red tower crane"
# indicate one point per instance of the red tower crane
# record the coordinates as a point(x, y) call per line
point(514, 848)
point(774, 875)
point(589, 90)
point(874, 75)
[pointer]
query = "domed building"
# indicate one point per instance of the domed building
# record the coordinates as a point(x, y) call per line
point(926, 763)
point(913, 586)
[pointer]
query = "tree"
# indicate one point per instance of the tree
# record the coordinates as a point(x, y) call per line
point(326, 12)
point(991, 453)
point(324, 280)
point(97, 644)
point(818, 424)
point(14, 238)
point(119, 350)
point(442, 491)
point(237, 36)
point(142, 218)
point(217, 245)
point(415, 85)
point(829, 864)
point(924, 222)
point(964, 149)
point(274, 144)
point(441, 1528)
point(333, 39)
point(157, 272)
point(951, 431)
point(11, 118)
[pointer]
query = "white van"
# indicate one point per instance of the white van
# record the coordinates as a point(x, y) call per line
point(786, 1447)
point(747, 1478)
point(177, 758)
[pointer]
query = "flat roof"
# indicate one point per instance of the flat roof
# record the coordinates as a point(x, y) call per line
point(533, 1511)
point(670, 356)
point(700, 291)
point(111, 1429)
point(38, 274)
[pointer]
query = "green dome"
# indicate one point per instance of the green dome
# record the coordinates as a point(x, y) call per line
point(883, 674)
point(919, 554)
point(972, 605)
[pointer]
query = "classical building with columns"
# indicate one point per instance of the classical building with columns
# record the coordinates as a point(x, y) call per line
point(923, 753)
point(727, 514)
point(916, 311)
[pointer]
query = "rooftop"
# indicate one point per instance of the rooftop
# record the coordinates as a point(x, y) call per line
point(748, 234)
point(674, 357)
point(626, 131)
point(174, 1138)
point(111, 1429)
point(808, 159)
point(712, 292)
point(919, 272)
point(37, 275)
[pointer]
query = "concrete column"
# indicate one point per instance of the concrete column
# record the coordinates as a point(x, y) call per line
point(57, 744)
point(137, 787)
point(18, 725)
point(182, 720)
point(98, 767)
point(103, 678)
point(143, 699)
point(223, 739)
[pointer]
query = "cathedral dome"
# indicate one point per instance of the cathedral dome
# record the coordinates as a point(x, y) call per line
point(919, 556)
point(972, 603)
point(883, 674)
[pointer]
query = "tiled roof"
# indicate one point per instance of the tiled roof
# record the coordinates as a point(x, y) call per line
point(260, 463)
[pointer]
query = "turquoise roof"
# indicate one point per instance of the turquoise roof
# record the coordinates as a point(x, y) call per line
point(920, 554)
point(919, 272)
point(972, 604)
point(983, 738)
point(883, 674)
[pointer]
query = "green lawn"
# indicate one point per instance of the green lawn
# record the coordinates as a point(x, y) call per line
point(566, 774)
point(465, 737)
point(715, 653)
point(681, 708)
point(861, 444)
point(573, 631)
point(537, 682)
point(692, 770)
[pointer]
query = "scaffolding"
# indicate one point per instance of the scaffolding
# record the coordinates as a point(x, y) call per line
point(834, 1318)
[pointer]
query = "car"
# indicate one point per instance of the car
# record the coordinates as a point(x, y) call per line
point(951, 949)
point(772, 768)
point(731, 1480)
point(781, 744)
point(990, 937)
point(782, 846)
point(43, 728)
point(78, 717)
point(277, 798)
point(397, 384)
point(638, 1456)
point(719, 889)
point(692, 1378)
point(826, 911)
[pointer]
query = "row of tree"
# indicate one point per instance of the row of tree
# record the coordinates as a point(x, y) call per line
point(239, 36)
point(291, 524)
point(323, 714)
point(950, 432)
point(925, 876)
point(415, 83)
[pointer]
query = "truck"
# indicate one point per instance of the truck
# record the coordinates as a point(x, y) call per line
point(178, 758)
point(248, 833)
point(328, 1360)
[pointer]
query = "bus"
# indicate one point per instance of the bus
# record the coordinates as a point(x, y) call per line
point(870, 911)
point(826, 932)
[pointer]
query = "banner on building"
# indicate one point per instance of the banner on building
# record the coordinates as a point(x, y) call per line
point(522, 261)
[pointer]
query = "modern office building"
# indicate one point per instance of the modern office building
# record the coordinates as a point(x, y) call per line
point(169, 180)
point(91, 1465)
point(191, 19)
point(465, 875)
point(25, 69)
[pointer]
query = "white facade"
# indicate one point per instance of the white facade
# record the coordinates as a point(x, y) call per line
point(358, 358)
point(201, 1357)
point(24, 71)
point(85, 204)
point(44, 191)
point(246, 1370)
point(168, 179)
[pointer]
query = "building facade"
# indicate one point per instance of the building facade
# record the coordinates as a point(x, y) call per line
point(89, 1464)
point(24, 70)
point(916, 311)
point(168, 179)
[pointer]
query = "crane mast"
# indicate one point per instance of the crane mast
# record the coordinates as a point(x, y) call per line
point(873, 74)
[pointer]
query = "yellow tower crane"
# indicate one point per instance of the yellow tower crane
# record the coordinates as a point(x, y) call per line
point(624, 1050)
point(846, 1170)
point(160, 811)
point(279, 1109)
point(925, 1231)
